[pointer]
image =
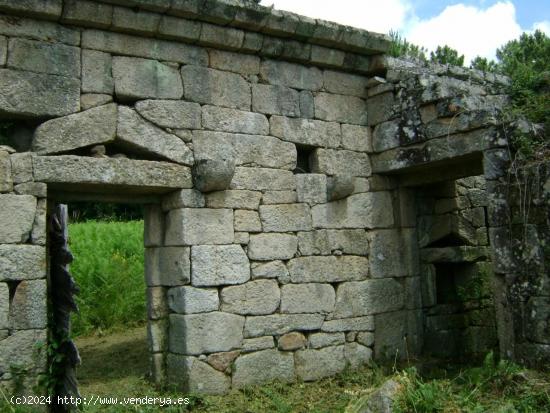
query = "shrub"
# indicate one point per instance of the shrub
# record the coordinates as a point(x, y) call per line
point(108, 268)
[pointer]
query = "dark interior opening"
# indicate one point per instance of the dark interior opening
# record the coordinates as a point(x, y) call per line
point(445, 282)
point(303, 164)
point(12, 287)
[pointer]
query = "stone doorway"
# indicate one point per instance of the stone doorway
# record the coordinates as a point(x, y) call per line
point(154, 335)
point(459, 314)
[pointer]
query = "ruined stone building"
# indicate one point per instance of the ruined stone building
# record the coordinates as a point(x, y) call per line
point(311, 202)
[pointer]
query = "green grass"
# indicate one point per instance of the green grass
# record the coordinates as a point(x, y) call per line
point(495, 386)
point(108, 268)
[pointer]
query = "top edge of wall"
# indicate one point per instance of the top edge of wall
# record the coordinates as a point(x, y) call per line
point(244, 14)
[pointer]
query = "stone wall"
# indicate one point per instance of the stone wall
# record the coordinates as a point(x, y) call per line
point(23, 284)
point(265, 273)
point(284, 164)
point(456, 269)
point(520, 203)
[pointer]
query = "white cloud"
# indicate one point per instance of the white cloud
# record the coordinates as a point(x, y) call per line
point(543, 26)
point(470, 30)
point(374, 15)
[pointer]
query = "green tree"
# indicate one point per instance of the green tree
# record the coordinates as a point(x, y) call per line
point(527, 62)
point(447, 55)
point(484, 64)
point(400, 47)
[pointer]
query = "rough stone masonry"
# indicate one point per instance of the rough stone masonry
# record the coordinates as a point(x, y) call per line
point(304, 203)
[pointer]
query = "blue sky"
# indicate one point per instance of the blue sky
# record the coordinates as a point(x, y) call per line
point(473, 27)
point(528, 12)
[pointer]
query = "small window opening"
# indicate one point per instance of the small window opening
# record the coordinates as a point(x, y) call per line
point(303, 164)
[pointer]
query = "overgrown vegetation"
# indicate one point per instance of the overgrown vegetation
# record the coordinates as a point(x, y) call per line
point(496, 386)
point(526, 61)
point(108, 268)
point(85, 211)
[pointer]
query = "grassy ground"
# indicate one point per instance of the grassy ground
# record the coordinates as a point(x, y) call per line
point(108, 268)
point(117, 365)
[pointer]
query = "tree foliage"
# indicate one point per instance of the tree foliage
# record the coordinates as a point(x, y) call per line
point(400, 47)
point(447, 56)
point(483, 64)
point(527, 62)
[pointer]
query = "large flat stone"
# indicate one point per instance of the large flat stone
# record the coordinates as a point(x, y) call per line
point(37, 95)
point(195, 226)
point(3, 50)
point(25, 349)
point(261, 179)
point(234, 120)
point(279, 197)
point(365, 323)
point(258, 343)
point(195, 334)
point(263, 367)
point(365, 210)
point(393, 253)
point(275, 100)
point(45, 9)
point(326, 242)
point(311, 188)
point(340, 162)
point(340, 108)
point(28, 306)
point(43, 57)
point(315, 364)
point(4, 306)
point(190, 300)
point(292, 75)
point(137, 78)
point(285, 217)
point(116, 173)
point(307, 298)
point(278, 324)
point(185, 198)
point(247, 221)
point(271, 269)
point(141, 136)
point(345, 83)
point(17, 218)
point(328, 269)
point(14, 26)
point(122, 44)
point(91, 127)
point(252, 298)
point(360, 298)
point(97, 74)
point(251, 150)
point(400, 333)
point(306, 131)
point(234, 62)
point(6, 179)
point(173, 114)
point(215, 87)
point(195, 376)
point(267, 247)
point(22, 262)
point(357, 138)
point(234, 199)
point(167, 266)
point(219, 265)
point(320, 340)
point(357, 355)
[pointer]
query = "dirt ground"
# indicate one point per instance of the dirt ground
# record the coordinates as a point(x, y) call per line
point(109, 360)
